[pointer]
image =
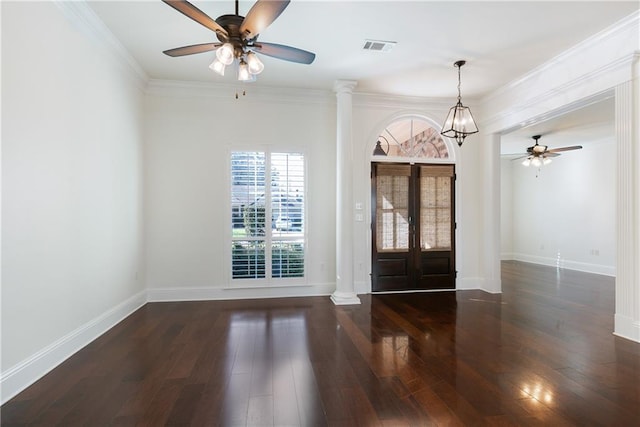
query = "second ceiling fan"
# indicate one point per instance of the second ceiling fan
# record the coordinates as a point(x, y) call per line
point(238, 38)
point(538, 155)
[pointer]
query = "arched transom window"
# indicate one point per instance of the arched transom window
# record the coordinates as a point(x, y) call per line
point(411, 137)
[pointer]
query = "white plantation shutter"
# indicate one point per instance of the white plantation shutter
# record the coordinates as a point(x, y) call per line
point(267, 215)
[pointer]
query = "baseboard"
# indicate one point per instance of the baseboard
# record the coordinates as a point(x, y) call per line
point(25, 373)
point(362, 287)
point(626, 327)
point(467, 283)
point(204, 294)
point(605, 270)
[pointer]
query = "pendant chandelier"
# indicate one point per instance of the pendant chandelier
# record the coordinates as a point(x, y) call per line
point(459, 123)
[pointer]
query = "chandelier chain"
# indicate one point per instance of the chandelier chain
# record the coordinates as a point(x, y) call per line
point(459, 96)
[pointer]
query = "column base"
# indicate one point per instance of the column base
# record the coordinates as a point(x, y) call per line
point(345, 298)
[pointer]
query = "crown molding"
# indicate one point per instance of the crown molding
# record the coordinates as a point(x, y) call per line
point(85, 19)
point(284, 95)
point(630, 22)
point(367, 99)
point(544, 98)
point(254, 93)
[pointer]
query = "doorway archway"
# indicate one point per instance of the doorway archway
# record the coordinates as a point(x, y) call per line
point(412, 208)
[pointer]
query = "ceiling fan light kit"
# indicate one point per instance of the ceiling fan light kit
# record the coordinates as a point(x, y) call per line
point(238, 37)
point(459, 122)
point(539, 155)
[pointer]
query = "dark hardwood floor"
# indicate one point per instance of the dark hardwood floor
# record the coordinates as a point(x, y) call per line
point(541, 353)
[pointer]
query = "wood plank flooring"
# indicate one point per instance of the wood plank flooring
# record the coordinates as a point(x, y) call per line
point(541, 353)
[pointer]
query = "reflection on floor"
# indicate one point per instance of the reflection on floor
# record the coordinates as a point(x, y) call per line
point(541, 353)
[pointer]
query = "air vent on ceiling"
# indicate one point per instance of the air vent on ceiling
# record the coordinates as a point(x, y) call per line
point(378, 45)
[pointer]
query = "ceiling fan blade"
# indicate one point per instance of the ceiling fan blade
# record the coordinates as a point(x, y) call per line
point(190, 50)
point(190, 11)
point(260, 16)
point(557, 150)
point(520, 157)
point(287, 53)
point(550, 154)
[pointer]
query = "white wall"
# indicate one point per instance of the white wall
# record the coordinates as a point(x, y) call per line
point(71, 190)
point(566, 216)
point(189, 132)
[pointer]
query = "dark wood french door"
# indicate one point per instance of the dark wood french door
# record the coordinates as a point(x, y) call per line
point(413, 227)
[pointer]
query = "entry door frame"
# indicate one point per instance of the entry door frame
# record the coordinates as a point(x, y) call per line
point(417, 269)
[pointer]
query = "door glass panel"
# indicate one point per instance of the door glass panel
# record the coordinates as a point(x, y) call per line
point(411, 138)
point(435, 212)
point(392, 213)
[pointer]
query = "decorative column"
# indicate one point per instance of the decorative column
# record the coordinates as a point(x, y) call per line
point(344, 293)
point(627, 317)
point(491, 221)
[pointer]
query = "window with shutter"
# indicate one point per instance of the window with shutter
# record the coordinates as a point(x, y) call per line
point(268, 221)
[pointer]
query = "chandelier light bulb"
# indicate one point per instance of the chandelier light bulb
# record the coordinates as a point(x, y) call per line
point(243, 72)
point(536, 162)
point(546, 161)
point(255, 65)
point(217, 66)
point(526, 162)
point(225, 53)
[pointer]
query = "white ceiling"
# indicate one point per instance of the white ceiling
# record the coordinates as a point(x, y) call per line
point(500, 41)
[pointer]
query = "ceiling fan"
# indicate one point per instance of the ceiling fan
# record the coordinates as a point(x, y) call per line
point(238, 38)
point(538, 155)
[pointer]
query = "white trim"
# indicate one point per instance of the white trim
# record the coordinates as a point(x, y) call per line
point(413, 291)
point(605, 270)
point(568, 97)
point(87, 21)
point(256, 94)
point(595, 65)
point(467, 283)
point(625, 327)
point(362, 287)
point(219, 293)
point(363, 99)
point(628, 22)
point(345, 298)
point(19, 377)
point(506, 256)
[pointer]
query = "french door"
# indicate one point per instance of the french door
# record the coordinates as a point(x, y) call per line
point(413, 227)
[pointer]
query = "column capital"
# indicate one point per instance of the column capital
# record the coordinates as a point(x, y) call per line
point(344, 86)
